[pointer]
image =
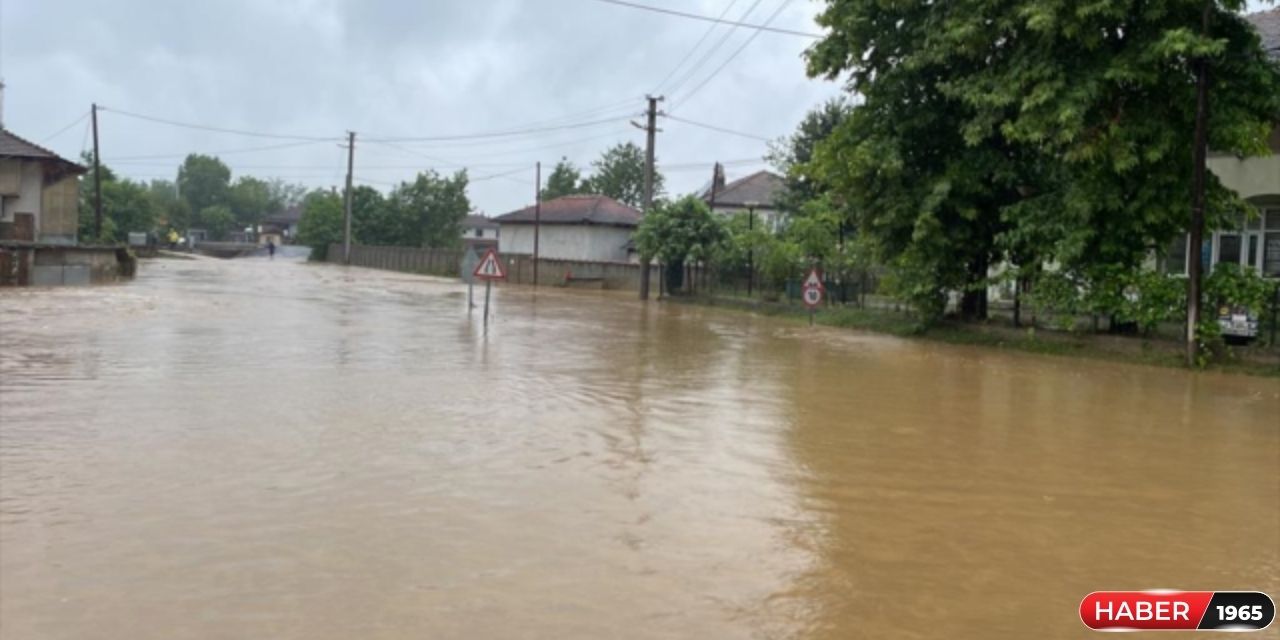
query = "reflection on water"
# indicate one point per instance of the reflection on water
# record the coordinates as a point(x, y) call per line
point(272, 449)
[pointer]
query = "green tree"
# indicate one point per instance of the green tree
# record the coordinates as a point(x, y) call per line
point(218, 220)
point(619, 174)
point(678, 232)
point(374, 220)
point(565, 179)
point(126, 206)
point(792, 154)
point(1030, 130)
point(430, 209)
point(251, 200)
point(322, 222)
point(204, 181)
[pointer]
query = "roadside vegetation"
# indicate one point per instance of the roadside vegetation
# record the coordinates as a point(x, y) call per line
point(973, 160)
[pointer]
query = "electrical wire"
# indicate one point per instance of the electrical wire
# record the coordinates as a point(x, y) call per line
point(657, 90)
point(287, 145)
point(697, 66)
point(726, 62)
point(717, 128)
point(201, 127)
point(64, 129)
point(695, 16)
point(498, 134)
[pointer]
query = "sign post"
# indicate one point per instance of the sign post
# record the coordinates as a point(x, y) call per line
point(467, 269)
point(813, 292)
point(489, 269)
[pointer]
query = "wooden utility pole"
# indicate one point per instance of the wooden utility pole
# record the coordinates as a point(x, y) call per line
point(1199, 152)
point(97, 178)
point(537, 216)
point(651, 128)
point(346, 205)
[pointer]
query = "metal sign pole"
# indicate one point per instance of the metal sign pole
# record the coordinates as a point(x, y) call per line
point(488, 284)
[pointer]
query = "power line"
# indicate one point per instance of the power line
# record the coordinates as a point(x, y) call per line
point(695, 16)
point(64, 129)
point(223, 152)
point(693, 70)
point(499, 134)
point(720, 68)
point(201, 127)
point(688, 55)
point(720, 129)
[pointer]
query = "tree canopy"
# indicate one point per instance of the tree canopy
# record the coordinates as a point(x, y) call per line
point(619, 174)
point(564, 180)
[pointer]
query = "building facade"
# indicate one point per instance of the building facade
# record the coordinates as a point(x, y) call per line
point(580, 227)
point(39, 193)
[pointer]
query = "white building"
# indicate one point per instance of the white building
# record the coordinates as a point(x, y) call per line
point(755, 195)
point(479, 232)
point(581, 227)
point(39, 193)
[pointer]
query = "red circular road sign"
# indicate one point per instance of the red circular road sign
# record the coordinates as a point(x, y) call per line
point(812, 290)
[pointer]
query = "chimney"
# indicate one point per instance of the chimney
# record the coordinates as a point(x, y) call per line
point(1, 103)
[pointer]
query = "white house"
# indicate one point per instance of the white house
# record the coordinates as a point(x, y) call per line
point(38, 193)
point(1250, 243)
point(479, 232)
point(580, 227)
point(756, 195)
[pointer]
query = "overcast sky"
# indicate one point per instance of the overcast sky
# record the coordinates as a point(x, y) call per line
point(405, 68)
point(402, 68)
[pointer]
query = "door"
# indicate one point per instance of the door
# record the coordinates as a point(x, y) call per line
point(24, 226)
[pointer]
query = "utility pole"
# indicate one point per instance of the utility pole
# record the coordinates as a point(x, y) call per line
point(537, 216)
point(1199, 151)
point(346, 234)
point(97, 178)
point(651, 128)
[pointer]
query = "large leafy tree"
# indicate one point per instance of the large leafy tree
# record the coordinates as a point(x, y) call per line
point(677, 232)
point(126, 206)
point(322, 222)
point(1030, 129)
point(564, 180)
point(204, 181)
point(251, 199)
point(792, 154)
point(373, 220)
point(431, 209)
point(619, 174)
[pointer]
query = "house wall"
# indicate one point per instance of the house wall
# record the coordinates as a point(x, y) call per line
point(29, 179)
point(1253, 178)
point(583, 242)
point(59, 218)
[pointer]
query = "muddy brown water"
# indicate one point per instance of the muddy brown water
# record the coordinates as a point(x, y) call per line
point(270, 449)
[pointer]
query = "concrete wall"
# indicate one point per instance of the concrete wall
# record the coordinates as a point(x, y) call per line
point(596, 243)
point(607, 275)
point(51, 265)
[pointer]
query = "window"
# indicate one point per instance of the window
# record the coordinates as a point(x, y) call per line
point(1271, 243)
point(479, 233)
point(1175, 260)
point(1229, 248)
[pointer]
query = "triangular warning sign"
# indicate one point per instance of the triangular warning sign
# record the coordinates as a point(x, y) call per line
point(814, 280)
point(490, 267)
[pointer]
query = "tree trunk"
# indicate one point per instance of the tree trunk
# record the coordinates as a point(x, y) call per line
point(973, 306)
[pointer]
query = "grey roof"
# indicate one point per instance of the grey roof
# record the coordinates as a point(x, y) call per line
point(1268, 25)
point(577, 209)
point(474, 221)
point(13, 146)
point(761, 189)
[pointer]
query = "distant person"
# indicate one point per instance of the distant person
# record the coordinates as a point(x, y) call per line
point(173, 239)
point(271, 249)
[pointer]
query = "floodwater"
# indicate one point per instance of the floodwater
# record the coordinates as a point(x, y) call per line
point(270, 449)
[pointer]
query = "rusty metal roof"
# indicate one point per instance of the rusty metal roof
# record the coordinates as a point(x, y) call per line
point(577, 209)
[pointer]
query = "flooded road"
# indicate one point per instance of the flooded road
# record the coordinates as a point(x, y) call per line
point(258, 449)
